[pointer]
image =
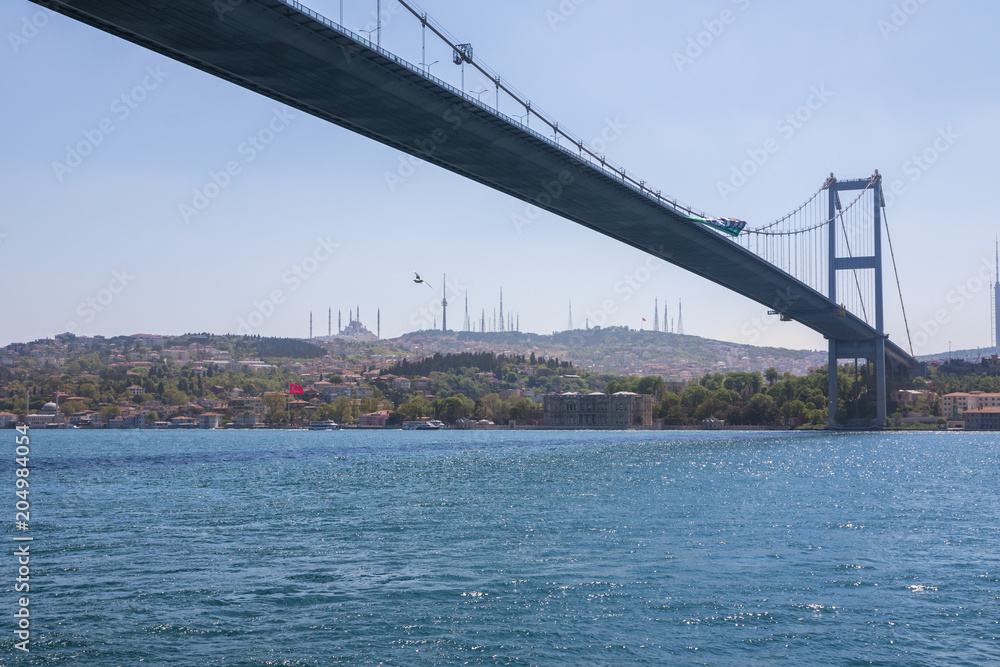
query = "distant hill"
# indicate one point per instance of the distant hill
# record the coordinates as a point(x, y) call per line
point(970, 355)
point(254, 347)
point(620, 350)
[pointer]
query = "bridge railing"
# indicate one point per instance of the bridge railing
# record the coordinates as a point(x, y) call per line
point(585, 156)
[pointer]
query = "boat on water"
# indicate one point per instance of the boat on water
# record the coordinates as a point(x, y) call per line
point(325, 425)
point(430, 425)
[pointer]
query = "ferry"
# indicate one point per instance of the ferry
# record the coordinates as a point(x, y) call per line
point(327, 425)
point(431, 425)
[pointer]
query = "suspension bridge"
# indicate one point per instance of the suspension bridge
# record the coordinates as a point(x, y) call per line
point(821, 265)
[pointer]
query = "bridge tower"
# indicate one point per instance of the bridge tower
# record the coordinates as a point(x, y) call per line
point(854, 349)
point(444, 303)
point(996, 304)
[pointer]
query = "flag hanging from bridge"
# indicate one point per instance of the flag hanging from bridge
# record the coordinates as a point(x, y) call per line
point(730, 226)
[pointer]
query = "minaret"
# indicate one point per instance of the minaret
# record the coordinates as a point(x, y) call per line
point(569, 326)
point(501, 309)
point(482, 322)
point(329, 323)
point(310, 325)
point(519, 322)
point(378, 324)
point(466, 324)
point(339, 327)
point(680, 319)
point(444, 304)
point(656, 315)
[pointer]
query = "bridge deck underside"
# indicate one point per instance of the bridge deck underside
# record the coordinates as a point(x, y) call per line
point(267, 47)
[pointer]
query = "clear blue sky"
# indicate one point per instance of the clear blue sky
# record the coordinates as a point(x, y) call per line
point(895, 83)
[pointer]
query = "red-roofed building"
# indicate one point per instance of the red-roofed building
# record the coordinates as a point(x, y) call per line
point(374, 419)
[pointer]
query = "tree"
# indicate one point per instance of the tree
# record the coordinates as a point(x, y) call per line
point(69, 407)
point(710, 407)
point(111, 411)
point(453, 408)
point(274, 401)
point(489, 407)
point(174, 397)
point(793, 409)
point(771, 375)
point(650, 384)
point(669, 400)
point(413, 409)
point(745, 384)
point(713, 381)
point(693, 396)
point(761, 410)
point(342, 410)
point(519, 408)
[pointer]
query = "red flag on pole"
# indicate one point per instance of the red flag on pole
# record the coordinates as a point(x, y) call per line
point(294, 388)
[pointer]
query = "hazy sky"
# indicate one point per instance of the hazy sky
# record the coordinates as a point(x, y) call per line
point(103, 246)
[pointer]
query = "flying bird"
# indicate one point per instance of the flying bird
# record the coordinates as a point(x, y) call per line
point(418, 279)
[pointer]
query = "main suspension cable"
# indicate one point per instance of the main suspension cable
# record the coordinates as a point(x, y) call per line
point(899, 286)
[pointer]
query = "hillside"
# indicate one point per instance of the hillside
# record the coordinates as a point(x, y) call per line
point(620, 350)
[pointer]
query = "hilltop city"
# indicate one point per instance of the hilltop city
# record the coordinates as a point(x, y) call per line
point(588, 378)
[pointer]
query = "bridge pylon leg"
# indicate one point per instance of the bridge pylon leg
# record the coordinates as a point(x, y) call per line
point(880, 391)
point(871, 350)
point(832, 397)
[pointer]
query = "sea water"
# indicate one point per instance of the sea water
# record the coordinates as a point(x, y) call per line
point(505, 547)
